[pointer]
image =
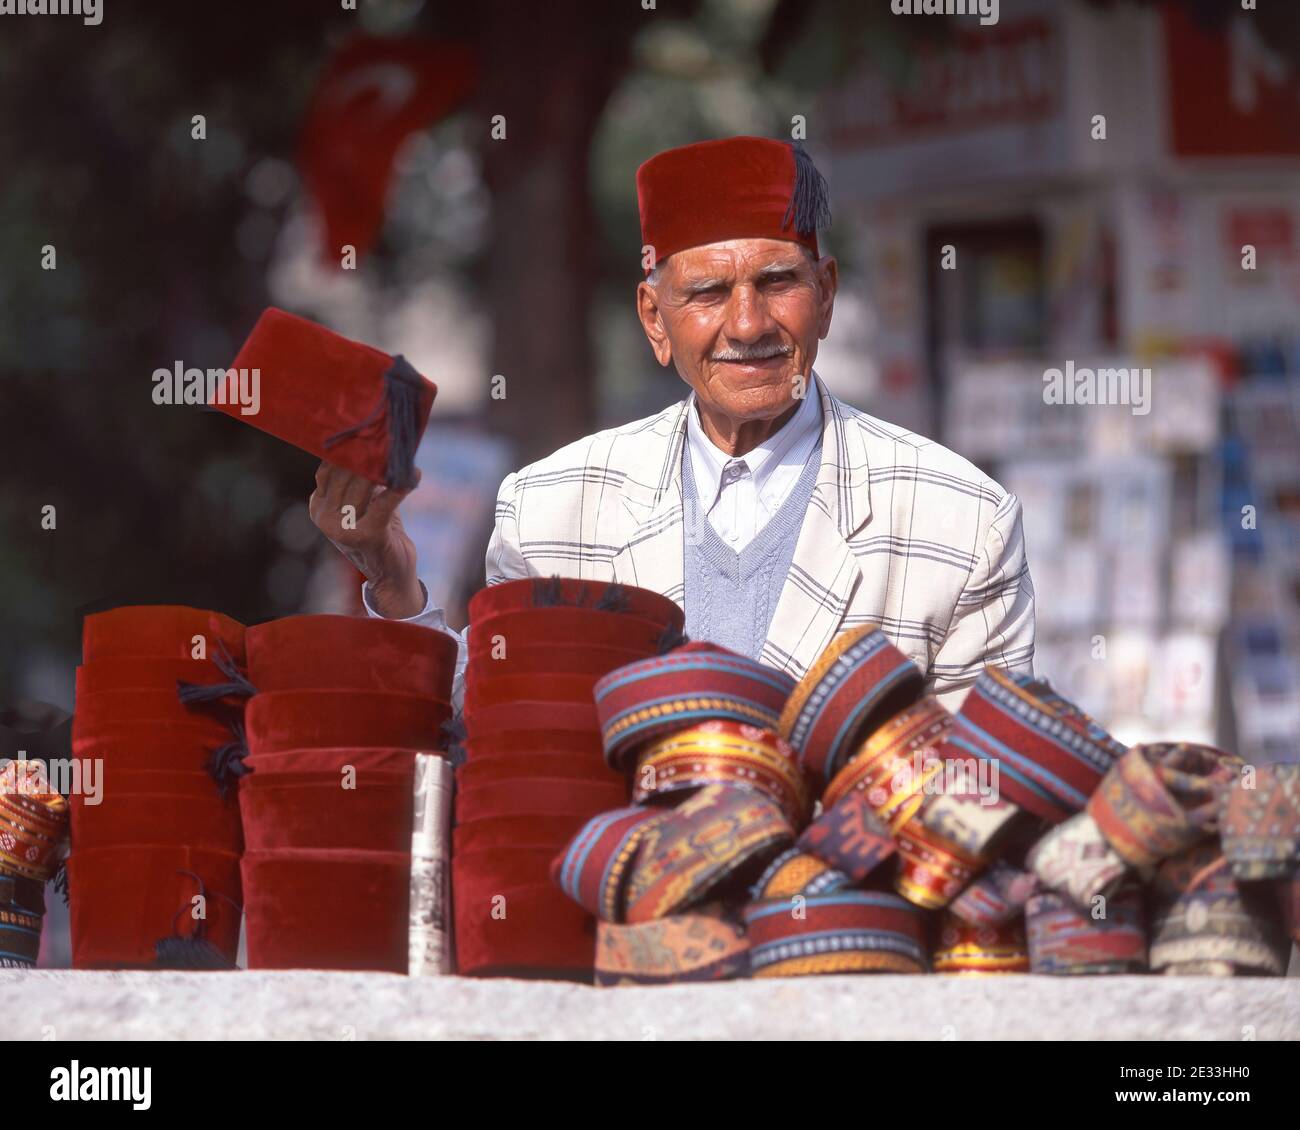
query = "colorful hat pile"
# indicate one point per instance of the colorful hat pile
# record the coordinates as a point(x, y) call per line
point(717, 795)
point(153, 879)
point(33, 839)
point(1014, 836)
point(533, 770)
point(326, 786)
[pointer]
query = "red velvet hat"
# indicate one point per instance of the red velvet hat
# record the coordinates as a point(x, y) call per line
point(106, 707)
point(314, 909)
point(735, 188)
point(510, 767)
point(506, 867)
point(132, 907)
point(486, 690)
point(571, 627)
point(526, 931)
point(545, 659)
point(530, 717)
point(159, 631)
point(150, 744)
point(314, 810)
point(351, 653)
point(144, 673)
point(334, 759)
point(526, 830)
point(338, 399)
point(180, 820)
point(551, 592)
point(526, 742)
point(532, 794)
point(305, 719)
point(118, 781)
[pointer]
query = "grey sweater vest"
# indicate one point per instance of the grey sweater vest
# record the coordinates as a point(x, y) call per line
point(730, 597)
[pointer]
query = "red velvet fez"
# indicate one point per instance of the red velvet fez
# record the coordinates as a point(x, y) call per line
point(350, 653)
point(338, 399)
point(736, 188)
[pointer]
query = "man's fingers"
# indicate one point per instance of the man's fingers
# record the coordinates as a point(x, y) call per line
point(356, 492)
point(385, 500)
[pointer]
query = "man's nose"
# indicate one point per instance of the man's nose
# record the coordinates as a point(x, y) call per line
point(748, 318)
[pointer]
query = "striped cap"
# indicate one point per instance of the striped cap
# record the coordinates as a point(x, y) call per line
point(694, 683)
point(593, 869)
point(840, 932)
point(858, 682)
point(1049, 754)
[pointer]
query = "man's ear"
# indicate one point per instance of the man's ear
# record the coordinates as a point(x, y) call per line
point(828, 282)
point(647, 310)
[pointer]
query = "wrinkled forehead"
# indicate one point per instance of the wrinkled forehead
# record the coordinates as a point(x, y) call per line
point(735, 259)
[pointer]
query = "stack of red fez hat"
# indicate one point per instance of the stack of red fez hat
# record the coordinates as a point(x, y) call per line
point(153, 879)
point(533, 771)
point(342, 706)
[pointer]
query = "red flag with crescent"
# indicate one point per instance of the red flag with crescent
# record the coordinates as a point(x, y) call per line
point(374, 93)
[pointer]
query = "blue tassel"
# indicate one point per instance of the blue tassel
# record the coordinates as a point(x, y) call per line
point(810, 202)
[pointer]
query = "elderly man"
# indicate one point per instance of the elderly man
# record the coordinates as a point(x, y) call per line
point(773, 513)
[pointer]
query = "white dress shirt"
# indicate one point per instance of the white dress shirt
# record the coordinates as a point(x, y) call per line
point(739, 495)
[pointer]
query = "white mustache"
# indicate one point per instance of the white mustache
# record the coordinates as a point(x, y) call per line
point(753, 354)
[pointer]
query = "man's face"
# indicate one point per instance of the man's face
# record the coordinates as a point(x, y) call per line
point(741, 321)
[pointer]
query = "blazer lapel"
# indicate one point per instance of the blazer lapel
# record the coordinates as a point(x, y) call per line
point(824, 573)
point(653, 552)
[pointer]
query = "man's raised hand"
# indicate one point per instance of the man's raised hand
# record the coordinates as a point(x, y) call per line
point(361, 519)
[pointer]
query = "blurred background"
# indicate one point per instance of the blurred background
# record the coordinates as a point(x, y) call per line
point(188, 166)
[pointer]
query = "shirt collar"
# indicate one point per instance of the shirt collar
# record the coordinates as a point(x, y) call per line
point(793, 442)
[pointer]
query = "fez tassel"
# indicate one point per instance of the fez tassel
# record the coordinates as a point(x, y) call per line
point(237, 684)
point(810, 202)
point(401, 404)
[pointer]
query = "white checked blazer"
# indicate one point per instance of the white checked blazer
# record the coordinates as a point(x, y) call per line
point(900, 532)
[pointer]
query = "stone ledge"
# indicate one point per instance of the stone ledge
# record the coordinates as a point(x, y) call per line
point(367, 1006)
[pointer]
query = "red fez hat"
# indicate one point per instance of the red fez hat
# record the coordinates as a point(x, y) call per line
point(554, 766)
point(133, 907)
point(350, 653)
point(531, 829)
point(159, 631)
point(540, 795)
point(100, 708)
point(150, 743)
point(736, 188)
point(581, 743)
point(570, 592)
point(284, 720)
point(143, 673)
point(540, 933)
point(334, 759)
point(327, 909)
point(183, 821)
point(342, 401)
point(314, 810)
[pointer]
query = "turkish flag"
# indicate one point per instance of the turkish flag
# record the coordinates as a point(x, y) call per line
point(373, 94)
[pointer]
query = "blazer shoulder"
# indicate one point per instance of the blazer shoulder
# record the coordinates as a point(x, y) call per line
point(608, 453)
point(893, 450)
